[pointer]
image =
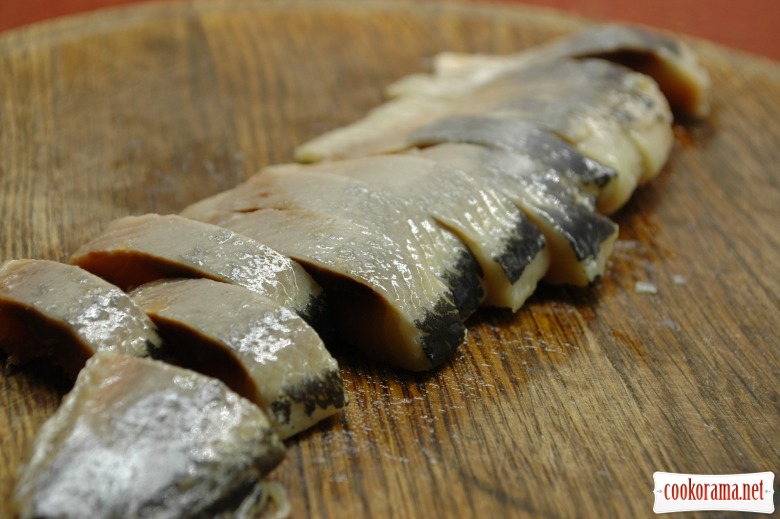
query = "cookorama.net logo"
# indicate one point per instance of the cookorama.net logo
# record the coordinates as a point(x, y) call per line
point(733, 492)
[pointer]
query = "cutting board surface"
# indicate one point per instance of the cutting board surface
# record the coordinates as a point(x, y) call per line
point(564, 409)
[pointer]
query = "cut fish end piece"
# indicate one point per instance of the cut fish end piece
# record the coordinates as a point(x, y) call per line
point(617, 151)
point(200, 447)
point(524, 287)
point(263, 351)
point(135, 250)
point(567, 269)
point(376, 306)
point(379, 329)
point(50, 309)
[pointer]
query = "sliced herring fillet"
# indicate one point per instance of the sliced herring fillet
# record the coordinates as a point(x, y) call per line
point(670, 62)
point(138, 249)
point(260, 349)
point(511, 251)
point(382, 302)
point(544, 148)
point(431, 247)
point(614, 116)
point(139, 438)
point(580, 240)
point(50, 309)
point(607, 112)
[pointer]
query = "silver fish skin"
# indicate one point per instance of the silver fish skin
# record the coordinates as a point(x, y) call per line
point(260, 349)
point(138, 249)
point(511, 251)
point(139, 438)
point(434, 251)
point(541, 146)
point(580, 239)
point(379, 302)
point(50, 309)
point(609, 113)
point(669, 61)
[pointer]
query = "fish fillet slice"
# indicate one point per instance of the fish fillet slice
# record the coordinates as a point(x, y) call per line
point(543, 148)
point(260, 349)
point(670, 62)
point(381, 304)
point(138, 249)
point(434, 251)
point(139, 438)
point(609, 113)
point(509, 248)
point(49, 309)
point(580, 239)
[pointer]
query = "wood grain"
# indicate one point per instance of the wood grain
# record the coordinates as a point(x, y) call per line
point(563, 410)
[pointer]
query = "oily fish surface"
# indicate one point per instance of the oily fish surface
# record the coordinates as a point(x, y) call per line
point(542, 149)
point(436, 253)
point(49, 309)
point(260, 349)
point(380, 303)
point(510, 250)
point(670, 62)
point(138, 249)
point(609, 113)
point(553, 183)
point(139, 438)
point(580, 240)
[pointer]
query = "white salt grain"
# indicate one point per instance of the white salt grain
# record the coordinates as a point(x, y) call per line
point(643, 287)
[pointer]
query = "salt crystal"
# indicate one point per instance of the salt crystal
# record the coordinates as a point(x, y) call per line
point(643, 287)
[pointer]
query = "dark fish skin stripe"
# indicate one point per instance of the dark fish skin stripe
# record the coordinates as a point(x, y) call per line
point(583, 228)
point(563, 158)
point(519, 136)
point(519, 250)
point(313, 393)
point(443, 334)
point(465, 283)
point(441, 327)
point(588, 233)
point(316, 312)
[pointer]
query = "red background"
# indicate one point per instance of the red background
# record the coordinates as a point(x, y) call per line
point(749, 25)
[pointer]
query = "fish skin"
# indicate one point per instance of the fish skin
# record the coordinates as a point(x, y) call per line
point(505, 243)
point(260, 349)
point(139, 249)
point(51, 309)
point(434, 251)
point(522, 137)
point(669, 61)
point(380, 307)
point(579, 238)
point(139, 438)
point(609, 113)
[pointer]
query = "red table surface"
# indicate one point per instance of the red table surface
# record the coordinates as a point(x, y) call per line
point(748, 25)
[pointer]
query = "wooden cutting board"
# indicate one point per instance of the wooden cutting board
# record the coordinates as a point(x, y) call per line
point(563, 410)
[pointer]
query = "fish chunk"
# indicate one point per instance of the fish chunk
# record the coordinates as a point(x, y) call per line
point(542, 148)
point(138, 249)
point(670, 62)
point(382, 303)
point(510, 250)
point(260, 349)
point(579, 238)
point(140, 438)
point(616, 117)
point(49, 309)
point(607, 112)
point(433, 249)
